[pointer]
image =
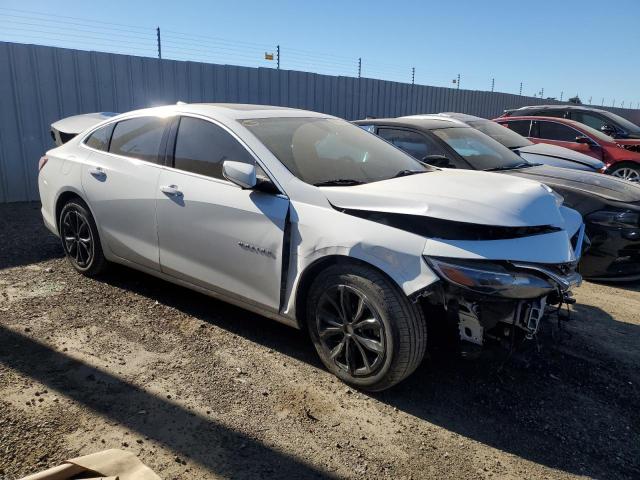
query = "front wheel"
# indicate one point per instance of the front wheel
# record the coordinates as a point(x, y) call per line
point(364, 328)
point(627, 172)
point(79, 236)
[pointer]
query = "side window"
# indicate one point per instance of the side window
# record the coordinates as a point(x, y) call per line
point(413, 143)
point(138, 138)
point(557, 131)
point(519, 126)
point(99, 139)
point(202, 146)
point(594, 121)
point(368, 128)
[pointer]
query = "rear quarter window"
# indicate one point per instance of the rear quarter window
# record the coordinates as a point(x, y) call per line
point(98, 139)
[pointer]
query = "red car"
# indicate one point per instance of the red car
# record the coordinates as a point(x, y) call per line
point(619, 161)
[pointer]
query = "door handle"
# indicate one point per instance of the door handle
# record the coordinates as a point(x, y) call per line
point(171, 190)
point(97, 172)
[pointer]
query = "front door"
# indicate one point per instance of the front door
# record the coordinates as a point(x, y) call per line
point(213, 233)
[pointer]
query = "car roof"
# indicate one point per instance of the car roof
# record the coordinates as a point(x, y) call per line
point(463, 117)
point(558, 107)
point(424, 122)
point(566, 121)
point(229, 111)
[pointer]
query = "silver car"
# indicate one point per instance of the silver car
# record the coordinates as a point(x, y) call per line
point(313, 222)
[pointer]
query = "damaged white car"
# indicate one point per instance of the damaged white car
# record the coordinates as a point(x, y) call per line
point(314, 222)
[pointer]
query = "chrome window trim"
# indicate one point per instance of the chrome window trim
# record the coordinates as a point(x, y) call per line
point(184, 114)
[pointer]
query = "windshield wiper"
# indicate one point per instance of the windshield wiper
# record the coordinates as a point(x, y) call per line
point(405, 173)
point(339, 182)
point(511, 167)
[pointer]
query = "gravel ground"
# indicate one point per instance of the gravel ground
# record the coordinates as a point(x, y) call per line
point(200, 389)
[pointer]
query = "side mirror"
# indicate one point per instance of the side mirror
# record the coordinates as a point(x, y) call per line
point(439, 161)
point(608, 129)
point(583, 139)
point(242, 174)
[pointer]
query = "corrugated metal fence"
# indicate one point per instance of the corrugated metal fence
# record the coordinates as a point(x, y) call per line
point(39, 85)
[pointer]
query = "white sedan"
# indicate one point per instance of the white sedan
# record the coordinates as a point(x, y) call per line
point(313, 222)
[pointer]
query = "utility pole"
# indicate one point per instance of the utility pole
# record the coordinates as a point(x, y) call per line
point(520, 88)
point(493, 83)
point(622, 104)
point(159, 44)
point(359, 66)
point(590, 100)
point(413, 75)
point(613, 104)
point(602, 104)
point(458, 83)
point(542, 93)
point(561, 94)
point(278, 55)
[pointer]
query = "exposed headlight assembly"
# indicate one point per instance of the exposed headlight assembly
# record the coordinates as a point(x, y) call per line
point(490, 278)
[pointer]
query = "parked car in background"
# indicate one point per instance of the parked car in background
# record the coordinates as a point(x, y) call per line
point(610, 206)
point(626, 132)
point(65, 129)
point(311, 221)
point(619, 161)
point(544, 153)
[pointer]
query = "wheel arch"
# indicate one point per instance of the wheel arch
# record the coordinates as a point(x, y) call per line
point(314, 268)
point(623, 163)
point(63, 198)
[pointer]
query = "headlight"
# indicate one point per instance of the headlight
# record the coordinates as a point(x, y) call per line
point(490, 278)
point(615, 218)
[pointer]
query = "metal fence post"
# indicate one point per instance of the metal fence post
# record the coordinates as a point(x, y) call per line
point(458, 83)
point(278, 55)
point(159, 44)
point(413, 75)
point(359, 66)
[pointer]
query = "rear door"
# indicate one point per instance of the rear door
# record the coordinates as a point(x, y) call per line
point(562, 135)
point(213, 233)
point(120, 180)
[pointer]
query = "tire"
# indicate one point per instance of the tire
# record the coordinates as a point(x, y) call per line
point(80, 240)
point(385, 336)
point(626, 171)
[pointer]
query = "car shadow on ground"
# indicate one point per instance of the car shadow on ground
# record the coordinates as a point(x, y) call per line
point(223, 451)
point(19, 224)
point(563, 402)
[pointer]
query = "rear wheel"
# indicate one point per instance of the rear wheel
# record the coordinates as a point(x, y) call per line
point(80, 240)
point(626, 171)
point(364, 328)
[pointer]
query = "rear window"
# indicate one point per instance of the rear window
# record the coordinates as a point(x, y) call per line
point(506, 136)
point(138, 138)
point(98, 139)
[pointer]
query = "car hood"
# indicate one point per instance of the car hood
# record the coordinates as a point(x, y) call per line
point(590, 183)
point(561, 152)
point(457, 195)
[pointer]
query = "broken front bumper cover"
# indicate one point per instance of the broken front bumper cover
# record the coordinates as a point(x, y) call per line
point(513, 280)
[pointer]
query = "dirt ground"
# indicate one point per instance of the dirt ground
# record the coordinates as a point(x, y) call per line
point(200, 389)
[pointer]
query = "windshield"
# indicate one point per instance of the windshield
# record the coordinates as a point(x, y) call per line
point(502, 134)
point(623, 122)
point(595, 133)
point(481, 151)
point(331, 151)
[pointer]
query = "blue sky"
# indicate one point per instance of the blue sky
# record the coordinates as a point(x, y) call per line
point(587, 47)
